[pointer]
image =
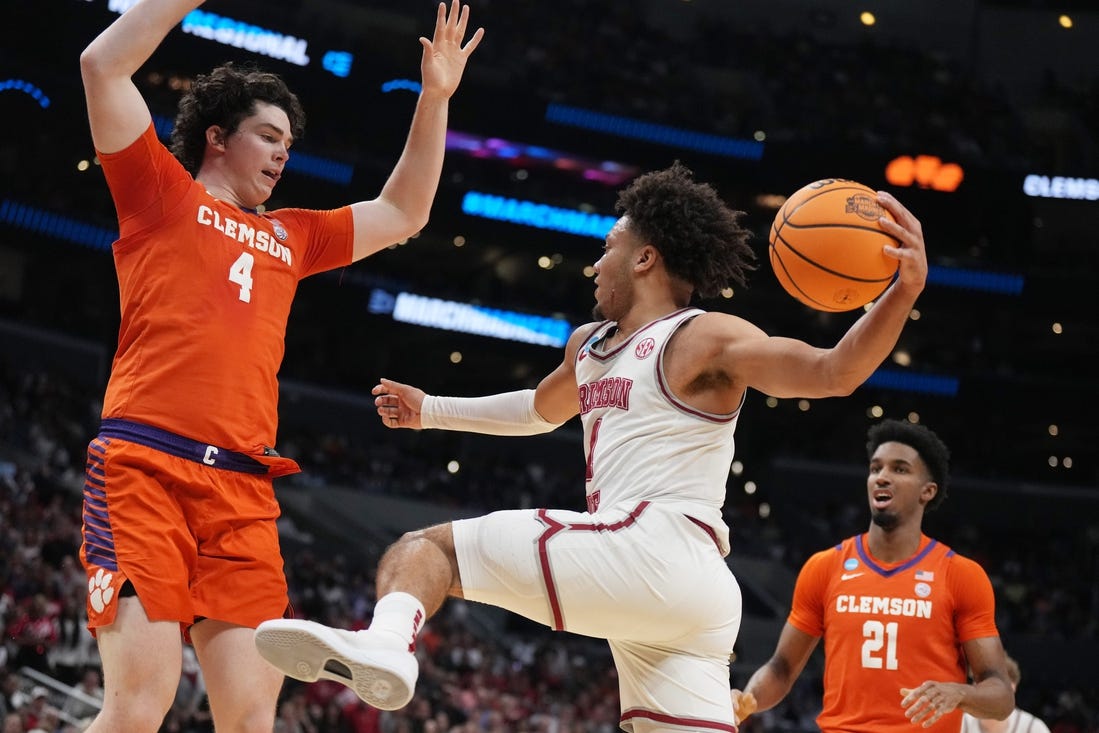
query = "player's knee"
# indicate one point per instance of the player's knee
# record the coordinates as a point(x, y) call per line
point(257, 719)
point(136, 711)
point(438, 538)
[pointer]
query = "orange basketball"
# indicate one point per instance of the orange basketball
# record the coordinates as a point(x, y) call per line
point(826, 246)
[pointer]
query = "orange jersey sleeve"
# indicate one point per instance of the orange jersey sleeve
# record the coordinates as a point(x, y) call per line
point(888, 626)
point(975, 601)
point(807, 608)
point(205, 290)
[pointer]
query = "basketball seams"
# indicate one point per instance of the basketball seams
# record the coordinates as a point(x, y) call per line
point(805, 297)
point(787, 281)
point(857, 227)
point(830, 271)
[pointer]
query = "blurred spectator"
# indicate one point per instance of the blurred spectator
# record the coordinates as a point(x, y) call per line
point(76, 650)
point(36, 708)
point(13, 723)
point(90, 685)
point(35, 631)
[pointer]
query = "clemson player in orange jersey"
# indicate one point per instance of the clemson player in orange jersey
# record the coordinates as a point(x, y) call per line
point(179, 511)
point(902, 615)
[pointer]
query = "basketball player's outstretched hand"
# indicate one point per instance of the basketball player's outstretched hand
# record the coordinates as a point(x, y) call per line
point(909, 234)
point(744, 704)
point(444, 57)
point(398, 404)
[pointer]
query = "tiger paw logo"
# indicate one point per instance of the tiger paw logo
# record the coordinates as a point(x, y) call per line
point(100, 592)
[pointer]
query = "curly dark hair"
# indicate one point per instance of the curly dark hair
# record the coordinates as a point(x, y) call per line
point(224, 97)
point(697, 234)
point(931, 448)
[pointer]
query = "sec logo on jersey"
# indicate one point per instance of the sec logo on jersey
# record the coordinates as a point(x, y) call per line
point(644, 348)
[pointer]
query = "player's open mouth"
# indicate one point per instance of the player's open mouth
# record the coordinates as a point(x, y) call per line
point(882, 498)
point(272, 175)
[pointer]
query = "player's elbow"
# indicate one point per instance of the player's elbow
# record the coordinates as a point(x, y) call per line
point(412, 220)
point(1004, 706)
point(89, 62)
point(826, 375)
point(999, 704)
point(845, 378)
point(840, 385)
point(93, 63)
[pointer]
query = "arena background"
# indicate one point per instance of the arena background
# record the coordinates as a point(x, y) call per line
point(560, 107)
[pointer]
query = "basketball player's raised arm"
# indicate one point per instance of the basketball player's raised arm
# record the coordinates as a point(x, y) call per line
point(117, 113)
point(784, 367)
point(523, 412)
point(403, 206)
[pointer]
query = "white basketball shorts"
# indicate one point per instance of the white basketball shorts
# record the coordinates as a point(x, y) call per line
point(649, 580)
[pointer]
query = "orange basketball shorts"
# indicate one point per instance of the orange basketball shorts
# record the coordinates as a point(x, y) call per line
point(190, 526)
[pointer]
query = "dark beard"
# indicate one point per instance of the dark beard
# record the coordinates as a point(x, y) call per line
point(886, 520)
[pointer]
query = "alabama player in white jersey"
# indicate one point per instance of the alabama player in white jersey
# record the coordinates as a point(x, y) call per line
point(659, 386)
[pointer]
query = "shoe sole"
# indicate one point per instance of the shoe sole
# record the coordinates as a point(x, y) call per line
point(307, 654)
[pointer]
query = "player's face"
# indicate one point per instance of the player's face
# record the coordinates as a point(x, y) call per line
point(257, 153)
point(898, 485)
point(613, 280)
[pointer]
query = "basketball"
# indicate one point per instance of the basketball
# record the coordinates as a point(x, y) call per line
point(826, 246)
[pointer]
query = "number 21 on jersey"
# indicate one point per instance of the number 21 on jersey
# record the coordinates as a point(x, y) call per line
point(240, 273)
point(880, 646)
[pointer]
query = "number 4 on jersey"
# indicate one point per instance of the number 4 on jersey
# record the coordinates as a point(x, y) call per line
point(240, 272)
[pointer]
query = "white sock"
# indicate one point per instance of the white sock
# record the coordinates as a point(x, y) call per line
point(401, 615)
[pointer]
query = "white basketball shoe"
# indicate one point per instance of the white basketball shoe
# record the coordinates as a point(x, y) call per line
point(380, 670)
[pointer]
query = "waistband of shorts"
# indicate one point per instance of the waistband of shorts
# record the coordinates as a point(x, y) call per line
point(177, 445)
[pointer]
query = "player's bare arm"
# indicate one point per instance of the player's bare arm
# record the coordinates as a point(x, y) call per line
point(117, 113)
point(990, 696)
point(784, 367)
point(772, 682)
point(556, 396)
point(403, 206)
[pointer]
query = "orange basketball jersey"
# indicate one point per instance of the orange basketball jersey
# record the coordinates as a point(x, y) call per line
point(205, 290)
point(888, 626)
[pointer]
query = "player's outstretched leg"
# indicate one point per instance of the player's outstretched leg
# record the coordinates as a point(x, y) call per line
point(377, 666)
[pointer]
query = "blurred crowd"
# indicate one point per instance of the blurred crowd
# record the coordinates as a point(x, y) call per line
point(735, 79)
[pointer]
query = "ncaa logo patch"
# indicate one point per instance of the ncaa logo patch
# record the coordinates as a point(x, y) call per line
point(850, 563)
point(863, 206)
point(644, 348)
point(923, 590)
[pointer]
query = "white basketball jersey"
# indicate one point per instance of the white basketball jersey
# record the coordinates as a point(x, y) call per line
point(1020, 721)
point(641, 442)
